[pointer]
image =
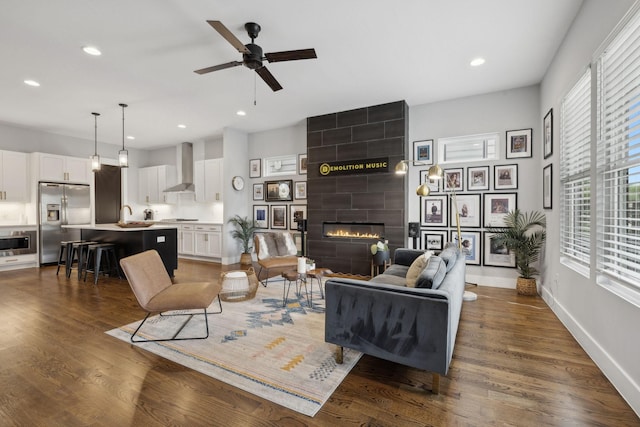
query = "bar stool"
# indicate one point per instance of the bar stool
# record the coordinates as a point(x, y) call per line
point(77, 254)
point(94, 258)
point(64, 255)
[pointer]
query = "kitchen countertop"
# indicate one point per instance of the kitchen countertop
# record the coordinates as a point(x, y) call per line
point(21, 226)
point(173, 221)
point(114, 227)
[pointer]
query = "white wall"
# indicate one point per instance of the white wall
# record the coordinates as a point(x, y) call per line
point(489, 113)
point(603, 323)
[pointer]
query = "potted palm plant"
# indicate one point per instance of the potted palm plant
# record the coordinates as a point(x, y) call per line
point(244, 233)
point(524, 236)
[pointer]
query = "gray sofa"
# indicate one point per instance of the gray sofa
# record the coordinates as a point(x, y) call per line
point(413, 326)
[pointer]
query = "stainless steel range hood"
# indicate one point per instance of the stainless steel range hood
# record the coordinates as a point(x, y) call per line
point(185, 169)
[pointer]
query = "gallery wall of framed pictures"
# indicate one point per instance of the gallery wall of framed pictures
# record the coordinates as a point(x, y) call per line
point(484, 195)
point(279, 202)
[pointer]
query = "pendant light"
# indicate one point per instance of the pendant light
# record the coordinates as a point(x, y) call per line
point(123, 155)
point(95, 159)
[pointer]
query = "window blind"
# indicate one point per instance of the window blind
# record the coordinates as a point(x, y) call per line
point(575, 166)
point(618, 158)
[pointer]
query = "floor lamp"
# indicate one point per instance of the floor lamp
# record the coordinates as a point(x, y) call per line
point(436, 172)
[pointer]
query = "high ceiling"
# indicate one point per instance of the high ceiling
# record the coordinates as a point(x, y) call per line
point(369, 52)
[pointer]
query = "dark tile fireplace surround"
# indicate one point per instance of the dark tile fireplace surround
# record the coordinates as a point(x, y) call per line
point(357, 199)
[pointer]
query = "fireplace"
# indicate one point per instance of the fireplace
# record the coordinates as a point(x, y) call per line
point(353, 230)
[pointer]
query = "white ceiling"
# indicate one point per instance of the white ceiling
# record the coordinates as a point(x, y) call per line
point(369, 52)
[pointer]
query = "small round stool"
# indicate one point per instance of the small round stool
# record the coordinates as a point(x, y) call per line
point(292, 276)
point(238, 285)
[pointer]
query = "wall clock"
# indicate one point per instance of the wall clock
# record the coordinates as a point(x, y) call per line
point(237, 182)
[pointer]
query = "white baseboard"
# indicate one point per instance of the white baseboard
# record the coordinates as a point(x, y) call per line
point(628, 388)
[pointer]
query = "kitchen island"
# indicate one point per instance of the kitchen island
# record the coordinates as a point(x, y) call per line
point(133, 240)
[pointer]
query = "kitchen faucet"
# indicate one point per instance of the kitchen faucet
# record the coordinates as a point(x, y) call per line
point(122, 209)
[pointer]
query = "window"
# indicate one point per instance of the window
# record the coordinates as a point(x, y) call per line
point(618, 162)
point(471, 148)
point(575, 181)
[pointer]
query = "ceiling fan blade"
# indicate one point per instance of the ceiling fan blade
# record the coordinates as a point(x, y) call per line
point(218, 67)
point(268, 78)
point(228, 36)
point(291, 55)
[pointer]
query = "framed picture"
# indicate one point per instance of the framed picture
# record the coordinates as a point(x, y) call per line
point(547, 186)
point(434, 240)
point(279, 216)
point(469, 210)
point(519, 143)
point(302, 164)
point(453, 179)
point(478, 178)
point(496, 207)
point(435, 185)
point(547, 136)
point(505, 177)
point(433, 211)
point(255, 168)
point(279, 191)
point(301, 190)
point(258, 192)
point(280, 165)
point(497, 255)
point(470, 245)
point(423, 151)
point(296, 213)
point(261, 215)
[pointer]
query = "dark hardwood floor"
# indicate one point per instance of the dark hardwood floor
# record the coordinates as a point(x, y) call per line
point(514, 364)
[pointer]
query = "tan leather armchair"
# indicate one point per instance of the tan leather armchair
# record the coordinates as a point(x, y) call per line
point(156, 293)
point(275, 251)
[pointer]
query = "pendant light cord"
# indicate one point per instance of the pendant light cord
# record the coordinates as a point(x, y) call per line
point(95, 145)
point(123, 107)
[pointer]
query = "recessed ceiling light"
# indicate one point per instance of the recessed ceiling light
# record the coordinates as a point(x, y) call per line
point(182, 126)
point(241, 113)
point(477, 62)
point(131, 137)
point(92, 50)
point(31, 83)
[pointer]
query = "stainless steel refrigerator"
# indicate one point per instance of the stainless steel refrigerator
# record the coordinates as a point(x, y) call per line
point(61, 204)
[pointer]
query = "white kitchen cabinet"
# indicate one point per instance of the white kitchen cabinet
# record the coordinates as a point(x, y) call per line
point(208, 240)
point(63, 168)
point(152, 181)
point(208, 180)
point(14, 176)
point(186, 240)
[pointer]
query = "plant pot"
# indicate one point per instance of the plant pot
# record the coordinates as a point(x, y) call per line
point(245, 259)
point(526, 286)
point(380, 257)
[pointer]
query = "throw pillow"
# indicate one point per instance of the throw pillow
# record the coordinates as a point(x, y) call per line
point(416, 268)
point(263, 249)
point(433, 274)
point(281, 246)
point(269, 239)
point(290, 243)
point(449, 255)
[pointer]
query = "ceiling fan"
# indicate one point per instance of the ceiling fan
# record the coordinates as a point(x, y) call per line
point(252, 54)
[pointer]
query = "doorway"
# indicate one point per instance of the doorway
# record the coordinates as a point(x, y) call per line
point(108, 196)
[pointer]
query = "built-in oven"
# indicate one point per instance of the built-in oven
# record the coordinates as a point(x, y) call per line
point(14, 242)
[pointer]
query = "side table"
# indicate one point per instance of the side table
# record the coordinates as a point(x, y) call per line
point(317, 273)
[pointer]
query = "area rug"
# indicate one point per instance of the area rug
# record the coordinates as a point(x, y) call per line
point(274, 352)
